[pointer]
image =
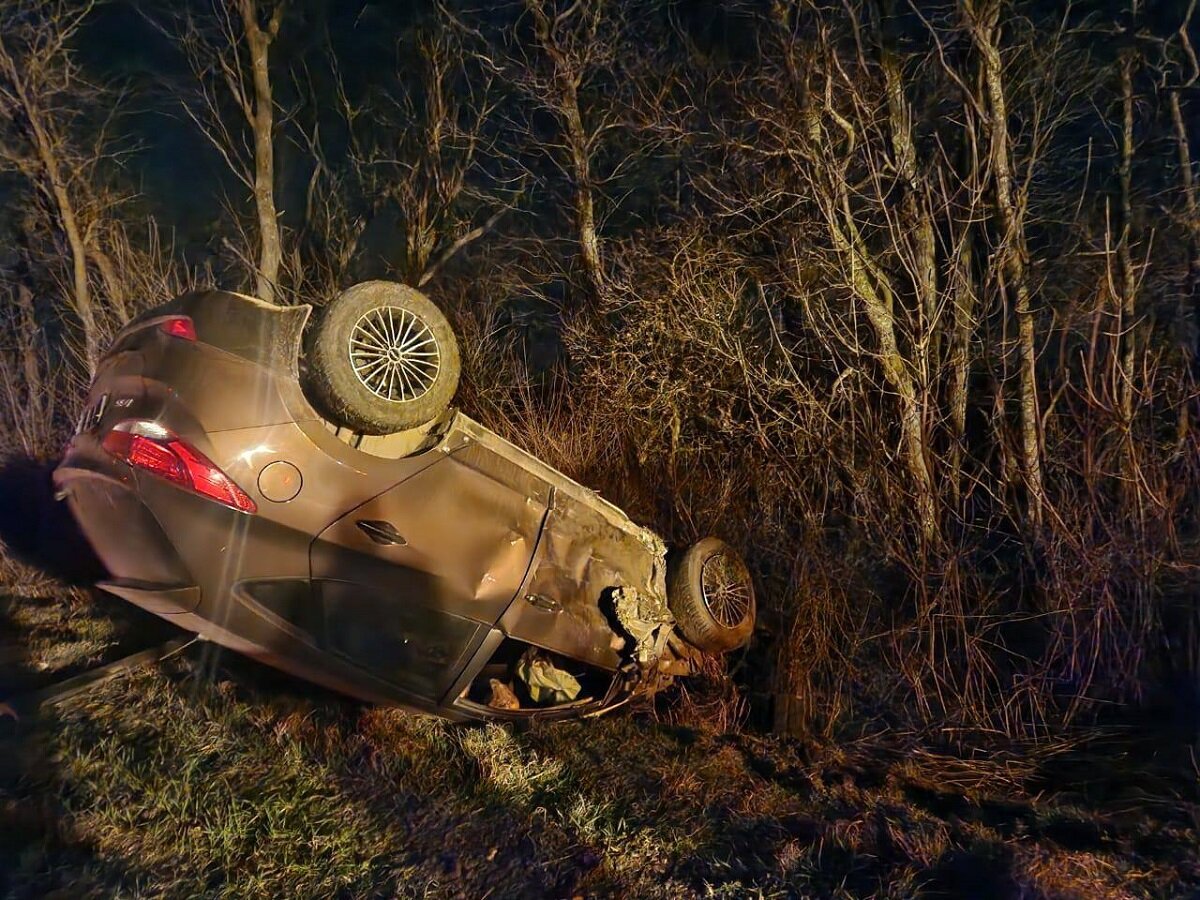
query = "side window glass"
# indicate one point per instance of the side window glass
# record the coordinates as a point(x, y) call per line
point(414, 647)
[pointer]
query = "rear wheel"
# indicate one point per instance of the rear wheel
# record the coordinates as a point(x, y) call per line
point(712, 597)
point(383, 359)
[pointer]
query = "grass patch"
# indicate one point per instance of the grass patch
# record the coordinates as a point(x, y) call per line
point(163, 783)
point(48, 632)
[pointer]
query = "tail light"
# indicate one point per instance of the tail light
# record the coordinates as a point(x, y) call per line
point(149, 446)
point(179, 326)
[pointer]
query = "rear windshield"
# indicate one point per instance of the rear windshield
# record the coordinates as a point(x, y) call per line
point(248, 328)
point(256, 331)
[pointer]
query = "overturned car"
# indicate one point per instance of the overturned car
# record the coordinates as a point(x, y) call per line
point(309, 497)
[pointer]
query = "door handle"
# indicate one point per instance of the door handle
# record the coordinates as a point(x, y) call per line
point(381, 532)
point(544, 603)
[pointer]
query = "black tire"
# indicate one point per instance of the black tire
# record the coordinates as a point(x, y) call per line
point(382, 358)
point(709, 618)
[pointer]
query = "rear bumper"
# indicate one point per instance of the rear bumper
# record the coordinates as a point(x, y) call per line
point(199, 578)
point(156, 539)
point(160, 599)
point(122, 530)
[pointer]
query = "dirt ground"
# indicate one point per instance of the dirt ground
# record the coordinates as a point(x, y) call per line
point(212, 776)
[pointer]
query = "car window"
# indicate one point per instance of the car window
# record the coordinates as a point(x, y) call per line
point(413, 647)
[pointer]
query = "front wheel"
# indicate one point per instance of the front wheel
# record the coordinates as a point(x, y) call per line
point(712, 597)
point(383, 358)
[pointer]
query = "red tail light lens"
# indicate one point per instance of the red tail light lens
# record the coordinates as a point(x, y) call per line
point(149, 446)
point(180, 327)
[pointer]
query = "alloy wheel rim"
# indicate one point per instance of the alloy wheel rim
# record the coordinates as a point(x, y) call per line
point(394, 354)
point(725, 588)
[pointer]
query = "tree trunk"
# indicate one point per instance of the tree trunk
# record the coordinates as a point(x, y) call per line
point(44, 146)
point(924, 268)
point(1013, 249)
point(585, 217)
point(960, 358)
point(871, 286)
point(52, 182)
point(270, 253)
point(70, 224)
point(31, 361)
point(1128, 275)
point(1189, 297)
point(913, 393)
point(566, 82)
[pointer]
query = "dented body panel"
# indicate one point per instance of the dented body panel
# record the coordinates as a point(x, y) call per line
point(390, 575)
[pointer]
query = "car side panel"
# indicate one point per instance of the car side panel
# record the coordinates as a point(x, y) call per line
point(465, 539)
point(562, 605)
point(588, 548)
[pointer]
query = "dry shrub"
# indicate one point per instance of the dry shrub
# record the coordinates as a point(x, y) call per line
point(709, 699)
point(42, 380)
point(812, 351)
point(699, 399)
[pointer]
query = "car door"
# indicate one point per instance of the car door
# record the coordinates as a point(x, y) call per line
point(410, 581)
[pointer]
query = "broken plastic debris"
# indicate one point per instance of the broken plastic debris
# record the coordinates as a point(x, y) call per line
point(646, 618)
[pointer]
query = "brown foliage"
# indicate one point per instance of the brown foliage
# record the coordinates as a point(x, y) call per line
point(886, 301)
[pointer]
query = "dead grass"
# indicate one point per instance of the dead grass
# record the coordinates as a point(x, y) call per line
point(48, 632)
point(164, 784)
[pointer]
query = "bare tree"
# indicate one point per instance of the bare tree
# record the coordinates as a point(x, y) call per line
point(233, 50)
point(1187, 186)
point(37, 80)
point(572, 48)
point(421, 149)
point(261, 116)
point(1128, 289)
point(25, 379)
point(983, 22)
point(846, 141)
point(963, 292)
point(1189, 299)
point(915, 197)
